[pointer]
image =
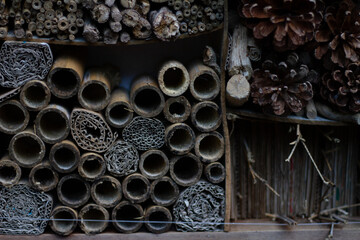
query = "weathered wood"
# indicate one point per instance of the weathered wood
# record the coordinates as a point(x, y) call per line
point(128, 3)
point(100, 13)
point(124, 37)
point(165, 24)
point(311, 112)
point(237, 90)
point(110, 36)
point(142, 30)
point(91, 33)
point(130, 17)
point(327, 112)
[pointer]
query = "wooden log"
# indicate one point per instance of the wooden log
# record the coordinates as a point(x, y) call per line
point(110, 37)
point(35, 95)
point(119, 112)
point(63, 220)
point(186, 170)
point(136, 188)
point(165, 24)
point(127, 217)
point(91, 33)
point(327, 112)
point(206, 116)
point(73, 191)
point(237, 90)
point(125, 37)
point(115, 13)
point(91, 166)
point(210, 59)
point(311, 112)
point(106, 191)
point(3, 32)
point(100, 13)
point(179, 138)
point(173, 78)
point(130, 17)
point(116, 27)
point(146, 97)
point(142, 30)
point(43, 178)
point(128, 3)
point(93, 212)
point(80, 22)
point(153, 164)
point(209, 147)
point(158, 219)
point(64, 156)
point(177, 110)
point(164, 191)
point(215, 172)
point(14, 117)
point(142, 7)
point(10, 172)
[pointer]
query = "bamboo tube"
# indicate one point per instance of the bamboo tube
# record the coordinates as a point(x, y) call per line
point(52, 124)
point(180, 138)
point(35, 95)
point(26, 149)
point(158, 219)
point(93, 212)
point(73, 191)
point(209, 147)
point(153, 164)
point(91, 166)
point(65, 76)
point(127, 217)
point(106, 191)
point(146, 98)
point(173, 78)
point(215, 172)
point(119, 112)
point(186, 170)
point(43, 178)
point(14, 118)
point(64, 156)
point(204, 82)
point(164, 191)
point(206, 116)
point(177, 110)
point(136, 188)
point(61, 223)
point(10, 172)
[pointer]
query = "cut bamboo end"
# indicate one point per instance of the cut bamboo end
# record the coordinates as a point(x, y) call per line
point(93, 219)
point(106, 191)
point(65, 77)
point(10, 172)
point(63, 220)
point(153, 164)
point(237, 90)
point(177, 110)
point(14, 117)
point(204, 82)
point(73, 191)
point(52, 124)
point(206, 116)
point(35, 95)
point(91, 166)
point(146, 97)
point(26, 149)
point(173, 78)
point(127, 217)
point(186, 170)
point(136, 188)
point(158, 219)
point(43, 178)
point(164, 191)
point(180, 138)
point(119, 112)
point(209, 147)
point(215, 172)
point(64, 156)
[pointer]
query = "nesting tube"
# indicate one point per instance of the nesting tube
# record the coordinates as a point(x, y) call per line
point(91, 166)
point(186, 170)
point(146, 97)
point(65, 76)
point(153, 164)
point(52, 124)
point(63, 220)
point(164, 191)
point(173, 78)
point(136, 188)
point(93, 219)
point(180, 138)
point(14, 117)
point(127, 217)
point(204, 82)
point(73, 191)
point(10, 172)
point(209, 147)
point(35, 95)
point(106, 191)
point(64, 156)
point(215, 172)
point(119, 112)
point(206, 116)
point(177, 110)
point(95, 90)
point(43, 178)
point(26, 149)
point(158, 219)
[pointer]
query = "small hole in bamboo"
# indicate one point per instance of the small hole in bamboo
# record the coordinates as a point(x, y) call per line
point(52, 125)
point(205, 85)
point(164, 191)
point(147, 100)
point(154, 164)
point(186, 169)
point(64, 158)
point(156, 219)
point(119, 114)
point(216, 173)
point(27, 150)
point(94, 94)
point(63, 225)
point(92, 168)
point(210, 146)
point(64, 81)
point(136, 188)
point(73, 190)
point(177, 109)
point(35, 96)
point(128, 213)
point(181, 140)
point(106, 192)
point(11, 117)
point(44, 177)
point(207, 117)
point(7, 173)
point(174, 79)
point(94, 214)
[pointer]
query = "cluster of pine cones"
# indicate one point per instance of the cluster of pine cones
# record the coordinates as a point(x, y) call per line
point(329, 30)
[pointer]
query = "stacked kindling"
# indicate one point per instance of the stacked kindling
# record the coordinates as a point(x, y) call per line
point(134, 157)
point(108, 21)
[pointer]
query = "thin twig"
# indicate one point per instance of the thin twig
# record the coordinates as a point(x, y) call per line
point(295, 143)
point(326, 211)
point(287, 220)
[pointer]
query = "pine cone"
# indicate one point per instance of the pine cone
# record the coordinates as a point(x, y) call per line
point(282, 87)
point(342, 88)
point(340, 34)
point(291, 23)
